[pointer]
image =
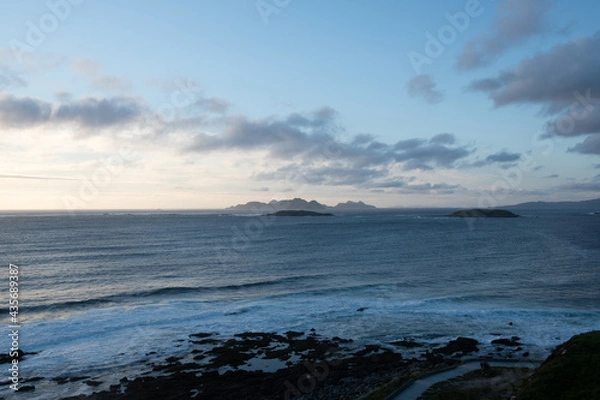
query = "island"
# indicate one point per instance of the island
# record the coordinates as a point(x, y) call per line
point(483, 213)
point(298, 213)
point(301, 204)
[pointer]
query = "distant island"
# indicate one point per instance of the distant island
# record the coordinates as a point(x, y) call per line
point(299, 213)
point(300, 204)
point(483, 213)
point(585, 205)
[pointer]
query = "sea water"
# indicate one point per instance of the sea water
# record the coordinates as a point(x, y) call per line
point(105, 291)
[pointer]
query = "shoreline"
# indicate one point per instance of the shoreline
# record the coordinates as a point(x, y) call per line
point(267, 365)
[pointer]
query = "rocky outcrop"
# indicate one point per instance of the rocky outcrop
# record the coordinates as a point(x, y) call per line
point(299, 213)
point(483, 213)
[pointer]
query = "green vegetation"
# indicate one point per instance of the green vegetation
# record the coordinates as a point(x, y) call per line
point(495, 384)
point(385, 390)
point(571, 372)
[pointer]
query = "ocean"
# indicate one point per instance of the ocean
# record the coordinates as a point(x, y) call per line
point(105, 291)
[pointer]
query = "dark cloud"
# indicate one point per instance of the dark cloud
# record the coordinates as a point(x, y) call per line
point(565, 82)
point(364, 178)
point(437, 188)
point(99, 113)
point(18, 112)
point(430, 154)
point(553, 176)
point(333, 175)
point(426, 154)
point(508, 166)
point(423, 86)
point(443, 138)
point(311, 137)
point(581, 118)
point(503, 156)
point(514, 22)
point(590, 145)
point(321, 118)
point(284, 139)
point(500, 157)
point(551, 79)
point(85, 113)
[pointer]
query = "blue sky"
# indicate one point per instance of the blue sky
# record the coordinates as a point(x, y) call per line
point(204, 104)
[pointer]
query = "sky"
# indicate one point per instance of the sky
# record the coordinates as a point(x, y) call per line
point(209, 103)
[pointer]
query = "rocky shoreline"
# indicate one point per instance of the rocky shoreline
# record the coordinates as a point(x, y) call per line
point(266, 365)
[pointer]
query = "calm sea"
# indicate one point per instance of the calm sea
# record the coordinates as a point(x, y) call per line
point(99, 291)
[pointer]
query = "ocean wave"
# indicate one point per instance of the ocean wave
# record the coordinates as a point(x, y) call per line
point(130, 298)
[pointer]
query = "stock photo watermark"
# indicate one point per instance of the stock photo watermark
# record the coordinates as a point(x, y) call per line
point(38, 29)
point(436, 44)
point(307, 383)
point(14, 326)
point(266, 8)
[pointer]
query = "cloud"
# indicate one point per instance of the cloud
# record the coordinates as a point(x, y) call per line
point(187, 95)
point(593, 187)
point(420, 154)
point(443, 138)
point(564, 81)
point(332, 175)
point(92, 112)
point(549, 79)
point(311, 137)
point(581, 118)
point(296, 134)
point(20, 112)
point(503, 156)
point(10, 80)
point(591, 145)
point(553, 176)
point(437, 188)
point(93, 71)
point(500, 157)
point(422, 86)
point(363, 178)
point(514, 22)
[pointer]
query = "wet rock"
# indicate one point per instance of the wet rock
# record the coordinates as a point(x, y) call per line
point(512, 342)
point(409, 344)
point(460, 345)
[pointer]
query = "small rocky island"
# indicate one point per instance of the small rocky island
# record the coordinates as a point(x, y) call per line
point(483, 213)
point(298, 213)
